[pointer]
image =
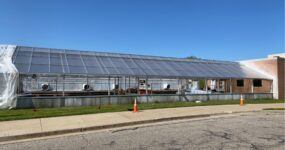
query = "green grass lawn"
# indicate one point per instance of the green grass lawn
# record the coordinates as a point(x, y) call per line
point(65, 111)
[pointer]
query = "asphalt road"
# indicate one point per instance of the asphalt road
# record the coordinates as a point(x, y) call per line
point(257, 130)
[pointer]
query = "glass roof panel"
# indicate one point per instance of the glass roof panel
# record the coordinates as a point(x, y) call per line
point(23, 68)
point(24, 53)
point(112, 71)
point(55, 61)
point(91, 61)
point(95, 70)
point(106, 61)
point(77, 70)
point(40, 60)
point(45, 60)
point(56, 69)
point(25, 49)
point(22, 60)
point(130, 63)
point(39, 68)
point(74, 60)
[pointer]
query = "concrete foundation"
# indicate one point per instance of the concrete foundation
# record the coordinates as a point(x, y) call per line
point(69, 101)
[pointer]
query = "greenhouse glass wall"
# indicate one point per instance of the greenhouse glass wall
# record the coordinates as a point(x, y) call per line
point(51, 75)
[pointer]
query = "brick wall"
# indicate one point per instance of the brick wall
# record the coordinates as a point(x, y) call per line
point(274, 67)
point(269, 67)
point(247, 87)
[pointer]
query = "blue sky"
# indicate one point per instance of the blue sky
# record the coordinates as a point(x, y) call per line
point(210, 29)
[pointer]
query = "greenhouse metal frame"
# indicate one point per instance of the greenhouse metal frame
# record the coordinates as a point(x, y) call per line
point(115, 67)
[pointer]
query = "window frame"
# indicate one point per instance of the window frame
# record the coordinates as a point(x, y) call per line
point(240, 83)
point(255, 81)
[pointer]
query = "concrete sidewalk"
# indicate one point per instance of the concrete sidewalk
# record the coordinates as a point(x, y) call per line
point(19, 129)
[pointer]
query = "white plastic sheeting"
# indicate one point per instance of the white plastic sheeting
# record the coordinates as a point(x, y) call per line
point(8, 77)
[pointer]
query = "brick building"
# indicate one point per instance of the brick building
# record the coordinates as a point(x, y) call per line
point(272, 66)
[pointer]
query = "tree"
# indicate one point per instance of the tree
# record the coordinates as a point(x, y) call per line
point(201, 84)
point(192, 57)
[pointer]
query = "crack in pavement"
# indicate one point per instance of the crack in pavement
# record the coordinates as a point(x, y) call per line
point(111, 143)
point(253, 146)
point(224, 135)
point(83, 136)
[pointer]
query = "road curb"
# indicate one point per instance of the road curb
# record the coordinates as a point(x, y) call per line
point(93, 128)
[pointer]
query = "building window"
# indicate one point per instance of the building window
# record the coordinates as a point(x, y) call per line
point(240, 83)
point(257, 83)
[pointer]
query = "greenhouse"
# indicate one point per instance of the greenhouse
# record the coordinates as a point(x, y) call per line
point(48, 77)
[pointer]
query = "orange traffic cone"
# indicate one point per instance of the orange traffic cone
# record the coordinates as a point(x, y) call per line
point(135, 106)
point(241, 100)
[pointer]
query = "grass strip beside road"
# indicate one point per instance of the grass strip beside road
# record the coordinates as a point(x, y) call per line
point(17, 114)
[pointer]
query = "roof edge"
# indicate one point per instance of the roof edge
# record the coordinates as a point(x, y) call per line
point(136, 55)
